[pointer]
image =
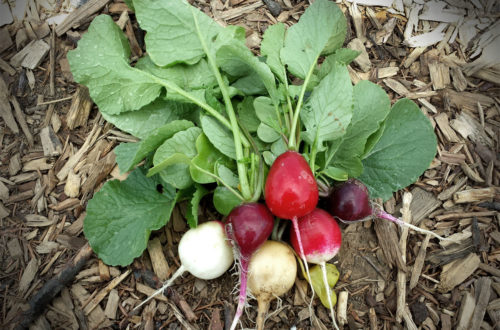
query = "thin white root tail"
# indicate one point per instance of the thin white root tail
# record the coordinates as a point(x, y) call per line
point(328, 294)
point(168, 283)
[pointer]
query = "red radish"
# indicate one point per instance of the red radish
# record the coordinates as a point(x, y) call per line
point(249, 226)
point(321, 240)
point(204, 252)
point(291, 191)
point(350, 202)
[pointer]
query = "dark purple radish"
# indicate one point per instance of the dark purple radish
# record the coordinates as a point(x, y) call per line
point(248, 226)
point(291, 191)
point(321, 240)
point(350, 202)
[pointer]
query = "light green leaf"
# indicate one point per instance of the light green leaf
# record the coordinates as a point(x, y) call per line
point(320, 31)
point(266, 112)
point(172, 36)
point(187, 77)
point(270, 47)
point(371, 107)
point(279, 147)
point(122, 215)
point(206, 159)
point(227, 176)
point(224, 200)
point(247, 115)
point(373, 139)
point(238, 61)
point(332, 276)
point(219, 136)
point(173, 157)
point(403, 153)
point(267, 133)
point(343, 56)
point(336, 174)
point(194, 203)
point(101, 63)
point(130, 154)
point(328, 111)
point(152, 116)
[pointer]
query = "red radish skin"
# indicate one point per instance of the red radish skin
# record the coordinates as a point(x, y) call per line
point(321, 240)
point(291, 189)
point(350, 202)
point(248, 226)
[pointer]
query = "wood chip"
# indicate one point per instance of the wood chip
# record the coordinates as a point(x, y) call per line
point(14, 248)
point(72, 186)
point(5, 39)
point(423, 204)
point(5, 109)
point(79, 111)
point(112, 304)
point(466, 310)
point(439, 71)
point(28, 275)
point(475, 195)
point(363, 61)
point(40, 164)
point(482, 298)
point(31, 55)
point(80, 15)
point(51, 145)
point(97, 316)
point(18, 113)
point(419, 263)
point(15, 164)
point(146, 290)
point(387, 72)
point(104, 292)
point(4, 212)
point(467, 100)
point(457, 271)
point(444, 125)
point(158, 260)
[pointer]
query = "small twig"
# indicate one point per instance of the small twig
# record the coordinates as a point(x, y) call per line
point(55, 101)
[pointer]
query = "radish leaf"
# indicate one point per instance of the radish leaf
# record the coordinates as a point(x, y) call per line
point(101, 63)
point(125, 212)
point(272, 43)
point(328, 110)
point(224, 200)
point(404, 151)
point(205, 160)
point(194, 203)
point(219, 136)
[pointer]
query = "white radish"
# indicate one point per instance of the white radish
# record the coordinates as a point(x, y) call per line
point(271, 273)
point(204, 252)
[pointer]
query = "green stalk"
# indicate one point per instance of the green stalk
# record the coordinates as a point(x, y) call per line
point(245, 188)
point(292, 144)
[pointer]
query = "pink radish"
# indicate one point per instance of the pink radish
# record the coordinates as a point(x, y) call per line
point(350, 202)
point(291, 191)
point(249, 226)
point(321, 240)
point(204, 252)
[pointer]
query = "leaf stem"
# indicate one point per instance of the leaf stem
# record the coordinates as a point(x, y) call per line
point(292, 143)
point(245, 188)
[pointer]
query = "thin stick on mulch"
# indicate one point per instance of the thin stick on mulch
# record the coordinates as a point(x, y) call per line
point(53, 287)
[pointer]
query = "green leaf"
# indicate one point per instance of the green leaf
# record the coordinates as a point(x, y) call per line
point(270, 47)
point(194, 203)
point(265, 111)
point(342, 56)
point(122, 215)
point(267, 133)
point(206, 159)
point(187, 77)
point(328, 111)
point(404, 151)
point(371, 107)
point(101, 63)
point(173, 157)
point(224, 200)
point(152, 116)
point(320, 31)
point(219, 136)
point(237, 60)
point(172, 36)
point(247, 115)
point(335, 173)
point(227, 176)
point(130, 154)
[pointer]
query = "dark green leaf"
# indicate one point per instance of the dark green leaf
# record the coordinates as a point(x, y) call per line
point(402, 154)
point(219, 136)
point(224, 200)
point(194, 203)
point(122, 215)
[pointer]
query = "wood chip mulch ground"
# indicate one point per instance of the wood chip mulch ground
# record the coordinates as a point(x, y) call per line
point(56, 151)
